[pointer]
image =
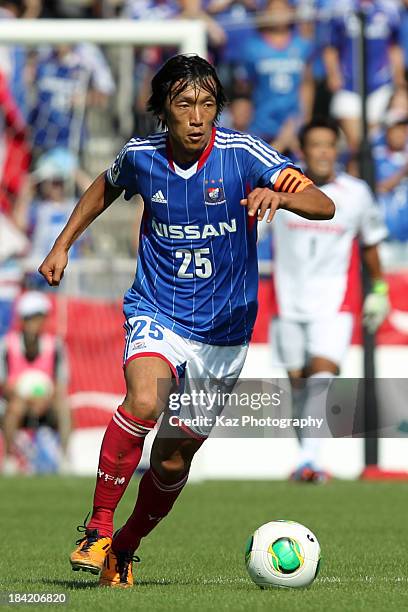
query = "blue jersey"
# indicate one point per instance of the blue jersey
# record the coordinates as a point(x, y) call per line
point(59, 82)
point(276, 75)
point(197, 270)
point(382, 30)
point(238, 23)
point(404, 34)
point(394, 203)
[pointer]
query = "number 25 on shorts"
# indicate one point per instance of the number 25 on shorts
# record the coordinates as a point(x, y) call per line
point(154, 330)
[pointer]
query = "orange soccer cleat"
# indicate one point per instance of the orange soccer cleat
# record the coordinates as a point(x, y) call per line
point(117, 570)
point(91, 552)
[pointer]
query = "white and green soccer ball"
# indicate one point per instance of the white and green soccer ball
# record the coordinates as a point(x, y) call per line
point(282, 554)
point(34, 384)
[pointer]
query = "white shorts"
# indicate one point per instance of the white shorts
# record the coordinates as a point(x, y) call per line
point(347, 104)
point(199, 368)
point(297, 342)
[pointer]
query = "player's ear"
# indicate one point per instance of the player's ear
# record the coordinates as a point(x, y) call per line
point(163, 119)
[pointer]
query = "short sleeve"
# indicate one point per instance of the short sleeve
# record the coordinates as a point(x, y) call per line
point(268, 168)
point(264, 163)
point(335, 32)
point(372, 226)
point(395, 27)
point(122, 173)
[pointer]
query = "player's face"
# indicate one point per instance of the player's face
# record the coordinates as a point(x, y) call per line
point(32, 326)
point(397, 137)
point(190, 117)
point(320, 153)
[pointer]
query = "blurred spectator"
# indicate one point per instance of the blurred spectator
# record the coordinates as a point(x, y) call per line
point(33, 374)
point(148, 60)
point(277, 63)
point(314, 23)
point(384, 63)
point(14, 151)
point(47, 204)
point(66, 9)
point(13, 58)
point(237, 20)
point(63, 78)
point(399, 100)
point(13, 245)
point(239, 113)
point(404, 34)
point(391, 165)
point(151, 9)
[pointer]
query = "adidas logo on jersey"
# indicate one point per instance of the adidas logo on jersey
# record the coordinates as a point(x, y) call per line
point(159, 197)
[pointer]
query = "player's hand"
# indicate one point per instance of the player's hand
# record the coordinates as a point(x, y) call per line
point(53, 266)
point(260, 200)
point(375, 310)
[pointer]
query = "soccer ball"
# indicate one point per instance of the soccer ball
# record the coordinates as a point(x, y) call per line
point(34, 384)
point(282, 554)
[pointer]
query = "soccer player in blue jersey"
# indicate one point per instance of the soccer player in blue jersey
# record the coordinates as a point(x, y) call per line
point(191, 309)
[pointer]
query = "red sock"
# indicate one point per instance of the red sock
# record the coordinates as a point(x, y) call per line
point(154, 501)
point(120, 454)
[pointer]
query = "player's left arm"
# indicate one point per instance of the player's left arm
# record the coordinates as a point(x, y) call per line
point(292, 191)
point(376, 304)
point(372, 231)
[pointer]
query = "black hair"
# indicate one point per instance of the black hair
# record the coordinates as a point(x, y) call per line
point(18, 4)
point(318, 122)
point(179, 73)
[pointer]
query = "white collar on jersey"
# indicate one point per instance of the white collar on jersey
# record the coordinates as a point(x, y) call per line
point(185, 173)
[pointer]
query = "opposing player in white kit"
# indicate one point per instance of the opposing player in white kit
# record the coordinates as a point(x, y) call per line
point(313, 262)
point(192, 306)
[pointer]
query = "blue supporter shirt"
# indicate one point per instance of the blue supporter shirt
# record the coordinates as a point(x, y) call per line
point(197, 270)
point(238, 23)
point(404, 34)
point(382, 30)
point(56, 117)
point(276, 75)
point(394, 203)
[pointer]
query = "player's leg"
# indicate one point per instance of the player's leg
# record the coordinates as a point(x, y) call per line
point(159, 489)
point(328, 341)
point(319, 374)
point(289, 344)
point(14, 414)
point(153, 354)
point(172, 453)
point(120, 454)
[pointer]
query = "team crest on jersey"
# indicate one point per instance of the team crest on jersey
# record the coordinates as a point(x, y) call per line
point(214, 194)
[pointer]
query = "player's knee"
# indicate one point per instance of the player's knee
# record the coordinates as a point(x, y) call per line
point(15, 408)
point(175, 463)
point(142, 404)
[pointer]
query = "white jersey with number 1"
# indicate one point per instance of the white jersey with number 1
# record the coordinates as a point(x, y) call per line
point(312, 258)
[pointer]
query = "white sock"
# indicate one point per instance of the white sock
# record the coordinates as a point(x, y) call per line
point(312, 439)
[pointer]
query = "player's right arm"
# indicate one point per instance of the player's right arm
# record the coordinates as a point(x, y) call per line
point(97, 198)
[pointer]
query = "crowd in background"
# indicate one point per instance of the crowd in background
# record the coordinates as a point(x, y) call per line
point(282, 62)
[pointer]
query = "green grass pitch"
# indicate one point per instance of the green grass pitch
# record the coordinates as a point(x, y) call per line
point(194, 560)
